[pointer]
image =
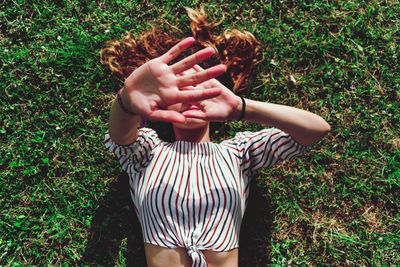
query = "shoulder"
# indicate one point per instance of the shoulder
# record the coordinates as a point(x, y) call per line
point(137, 155)
point(148, 134)
point(147, 139)
point(245, 136)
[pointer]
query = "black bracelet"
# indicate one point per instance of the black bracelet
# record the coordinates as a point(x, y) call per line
point(121, 104)
point(243, 108)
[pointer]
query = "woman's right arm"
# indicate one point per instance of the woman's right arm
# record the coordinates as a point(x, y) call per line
point(123, 127)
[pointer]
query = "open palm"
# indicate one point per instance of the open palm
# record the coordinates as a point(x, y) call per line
point(155, 85)
point(219, 108)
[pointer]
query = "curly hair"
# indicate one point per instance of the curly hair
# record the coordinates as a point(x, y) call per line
point(240, 51)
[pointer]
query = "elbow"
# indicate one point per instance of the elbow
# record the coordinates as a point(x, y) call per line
point(323, 130)
point(318, 132)
point(320, 126)
point(313, 132)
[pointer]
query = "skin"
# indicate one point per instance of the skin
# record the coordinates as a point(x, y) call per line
point(154, 86)
point(189, 97)
point(157, 256)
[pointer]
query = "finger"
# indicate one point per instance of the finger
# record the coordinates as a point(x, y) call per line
point(195, 114)
point(186, 72)
point(186, 88)
point(196, 95)
point(197, 68)
point(201, 76)
point(177, 49)
point(167, 116)
point(190, 61)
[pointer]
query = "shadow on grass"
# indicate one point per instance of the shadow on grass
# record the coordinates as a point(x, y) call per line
point(115, 220)
point(255, 233)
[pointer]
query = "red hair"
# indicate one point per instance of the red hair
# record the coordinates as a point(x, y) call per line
point(240, 51)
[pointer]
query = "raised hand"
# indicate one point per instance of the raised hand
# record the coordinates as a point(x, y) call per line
point(220, 108)
point(155, 85)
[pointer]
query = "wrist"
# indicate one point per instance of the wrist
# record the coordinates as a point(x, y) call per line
point(123, 101)
point(237, 110)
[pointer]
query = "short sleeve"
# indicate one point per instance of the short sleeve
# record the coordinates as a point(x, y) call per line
point(264, 148)
point(136, 156)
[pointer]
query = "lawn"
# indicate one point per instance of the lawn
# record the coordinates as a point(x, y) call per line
point(64, 198)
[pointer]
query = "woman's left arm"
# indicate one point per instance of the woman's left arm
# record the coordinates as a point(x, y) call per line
point(304, 127)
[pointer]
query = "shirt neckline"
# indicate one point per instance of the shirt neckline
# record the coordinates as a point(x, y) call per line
point(188, 147)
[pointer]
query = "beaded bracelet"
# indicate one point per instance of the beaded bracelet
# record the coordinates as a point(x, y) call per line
point(121, 104)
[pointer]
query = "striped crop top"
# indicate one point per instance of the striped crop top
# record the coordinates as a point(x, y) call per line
point(194, 195)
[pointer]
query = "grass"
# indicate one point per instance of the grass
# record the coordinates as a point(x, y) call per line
point(60, 190)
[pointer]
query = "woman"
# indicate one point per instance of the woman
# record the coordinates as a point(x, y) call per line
point(190, 194)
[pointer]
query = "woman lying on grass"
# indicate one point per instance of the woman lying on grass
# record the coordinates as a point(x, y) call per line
point(190, 194)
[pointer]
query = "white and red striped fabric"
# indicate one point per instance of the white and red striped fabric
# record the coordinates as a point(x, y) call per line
point(194, 195)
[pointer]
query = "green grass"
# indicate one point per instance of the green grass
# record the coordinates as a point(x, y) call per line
point(60, 190)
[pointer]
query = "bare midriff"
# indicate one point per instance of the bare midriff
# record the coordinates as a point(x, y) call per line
point(157, 256)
